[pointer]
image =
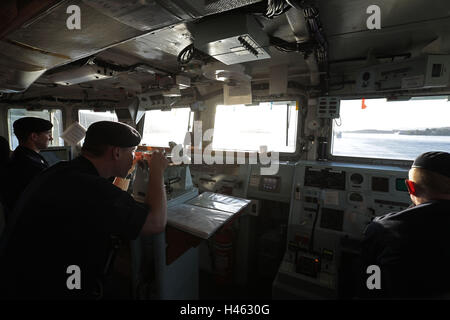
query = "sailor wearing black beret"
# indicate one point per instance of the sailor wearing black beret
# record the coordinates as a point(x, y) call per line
point(435, 161)
point(411, 247)
point(111, 133)
point(24, 127)
point(74, 225)
point(119, 138)
point(33, 134)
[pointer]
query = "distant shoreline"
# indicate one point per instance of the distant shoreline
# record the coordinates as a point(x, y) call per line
point(424, 132)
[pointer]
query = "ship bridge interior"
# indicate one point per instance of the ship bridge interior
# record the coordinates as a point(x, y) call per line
point(285, 80)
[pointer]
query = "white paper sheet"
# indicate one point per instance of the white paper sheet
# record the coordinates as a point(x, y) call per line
point(201, 222)
point(219, 202)
point(203, 215)
point(74, 133)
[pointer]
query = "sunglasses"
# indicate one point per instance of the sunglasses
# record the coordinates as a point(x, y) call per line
point(410, 186)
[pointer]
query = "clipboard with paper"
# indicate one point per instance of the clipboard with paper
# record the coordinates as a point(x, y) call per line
point(202, 216)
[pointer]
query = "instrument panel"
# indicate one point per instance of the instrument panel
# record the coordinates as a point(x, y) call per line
point(331, 205)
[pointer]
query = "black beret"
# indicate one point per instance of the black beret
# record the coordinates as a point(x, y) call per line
point(27, 125)
point(436, 161)
point(111, 133)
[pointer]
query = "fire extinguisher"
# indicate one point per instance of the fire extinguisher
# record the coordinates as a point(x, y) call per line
point(223, 256)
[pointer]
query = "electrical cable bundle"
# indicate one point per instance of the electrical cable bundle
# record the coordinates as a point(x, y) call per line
point(318, 45)
point(283, 45)
point(118, 68)
point(315, 27)
point(306, 48)
point(316, 30)
point(190, 52)
point(276, 8)
point(186, 55)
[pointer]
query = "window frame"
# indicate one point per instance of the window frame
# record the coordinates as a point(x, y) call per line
point(77, 112)
point(283, 156)
point(373, 161)
point(191, 118)
point(8, 129)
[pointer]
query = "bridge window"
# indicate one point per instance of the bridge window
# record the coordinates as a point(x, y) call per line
point(52, 115)
point(161, 127)
point(88, 117)
point(246, 128)
point(400, 130)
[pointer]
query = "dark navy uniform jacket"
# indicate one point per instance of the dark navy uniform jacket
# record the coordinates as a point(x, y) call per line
point(412, 249)
point(65, 217)
point(24, 165)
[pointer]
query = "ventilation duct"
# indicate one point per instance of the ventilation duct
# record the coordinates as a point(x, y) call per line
point(237, 40)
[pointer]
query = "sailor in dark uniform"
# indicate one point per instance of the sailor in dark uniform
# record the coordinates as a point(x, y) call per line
point(33, 134)
point(412, 247)
point(5, 153)
point(59, 242)
point(4, 160)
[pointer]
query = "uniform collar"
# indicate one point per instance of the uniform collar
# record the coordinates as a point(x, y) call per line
point(26, 150)
point(22, 151)
point(86, 165)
